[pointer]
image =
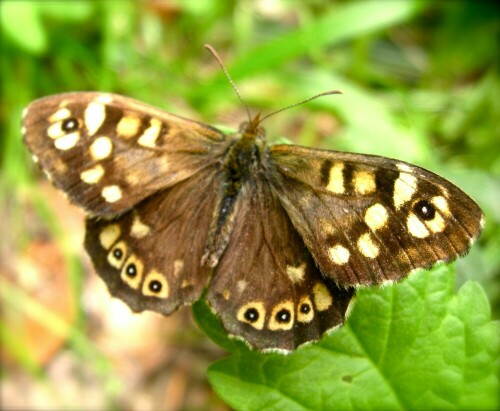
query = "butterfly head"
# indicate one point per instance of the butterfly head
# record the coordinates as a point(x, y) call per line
point(252, 131)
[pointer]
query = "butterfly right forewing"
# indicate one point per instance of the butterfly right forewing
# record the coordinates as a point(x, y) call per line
point(369, 219)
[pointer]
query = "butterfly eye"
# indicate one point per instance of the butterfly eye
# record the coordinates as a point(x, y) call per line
point(424, 210)
point(69, 125)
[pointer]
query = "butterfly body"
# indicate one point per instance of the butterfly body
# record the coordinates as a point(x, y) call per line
point(242, 164)
point(281, 235)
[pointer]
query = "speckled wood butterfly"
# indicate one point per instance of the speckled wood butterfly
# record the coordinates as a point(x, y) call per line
point(281, 235)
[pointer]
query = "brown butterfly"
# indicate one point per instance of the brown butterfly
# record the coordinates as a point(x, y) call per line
point(281, 235)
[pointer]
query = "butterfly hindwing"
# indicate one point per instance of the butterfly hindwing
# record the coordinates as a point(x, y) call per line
point(108, 152)
point(266, 287)
point(369, 219)
point(150, 256)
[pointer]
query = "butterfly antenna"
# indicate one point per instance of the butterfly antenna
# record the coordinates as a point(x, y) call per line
point(325, 93)
point(233, 85)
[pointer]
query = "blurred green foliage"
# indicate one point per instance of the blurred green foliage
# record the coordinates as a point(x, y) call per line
point(420, 80)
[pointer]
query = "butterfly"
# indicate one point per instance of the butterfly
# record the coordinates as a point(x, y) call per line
point(279, 235)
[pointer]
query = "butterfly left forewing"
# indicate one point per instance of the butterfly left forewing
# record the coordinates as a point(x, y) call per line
point(369, 219)
point(108, 152)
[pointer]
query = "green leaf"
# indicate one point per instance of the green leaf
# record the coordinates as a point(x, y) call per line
point(416, 344)
point(211, 326)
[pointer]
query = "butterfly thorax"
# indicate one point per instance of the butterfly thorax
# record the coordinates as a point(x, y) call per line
point(242, 163)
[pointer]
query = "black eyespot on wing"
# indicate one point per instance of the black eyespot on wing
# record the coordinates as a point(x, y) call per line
point(131, 270)
point(118, 253)
point(283, 316)
point(305, 308)
point(424, 210)
point(70, 124)
point(251, 315)
point(155, 286)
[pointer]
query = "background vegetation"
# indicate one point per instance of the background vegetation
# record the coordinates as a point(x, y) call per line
point(420, 82)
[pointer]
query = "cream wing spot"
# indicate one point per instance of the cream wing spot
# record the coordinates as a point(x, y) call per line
point(186, 283)
point(252, 313)
point(139, 229)
point(59, 115)
point(155, 285)
point(128, 126)
point(404, 188)
point(437, 224)
point(339, 254)
point(367, 247)
point(241, 285)
point(322, 297)
point(92, 175)
point(178, 267)
point(101, 148)
point(441, 204)
point(132, 179)
point(336, 179)
point(94, 117)
point(404, 167)
point(67, 142)
point(111, 194)
point(55, 131)
point(282, 316)
point(376, 216)
point(296, 274)
point(148, 138)
point(104, 99)
point(305, 312)
point(163, 165)
point(131, 272)
point(416, 227)
point(60, 166)
point(226, 294)
point(364, 182)
point(109, 235)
